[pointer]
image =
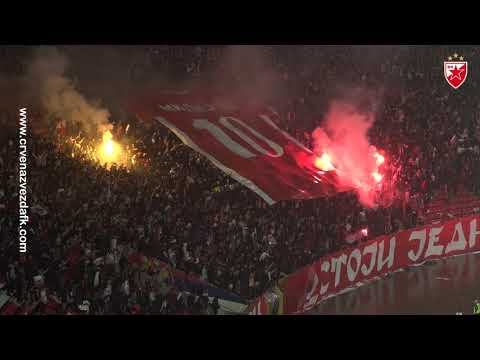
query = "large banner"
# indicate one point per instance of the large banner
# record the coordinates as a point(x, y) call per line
point(353, 267)
point(244, 142)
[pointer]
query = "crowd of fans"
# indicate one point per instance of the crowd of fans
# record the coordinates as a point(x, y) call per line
point(87, 222)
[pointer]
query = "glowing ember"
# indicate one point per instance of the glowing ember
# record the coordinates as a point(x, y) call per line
point(109, 151)
point(324, 163)
point(379, 158)
point(378, 177)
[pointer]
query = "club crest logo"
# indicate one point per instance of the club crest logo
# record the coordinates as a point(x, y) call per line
point(455, 70)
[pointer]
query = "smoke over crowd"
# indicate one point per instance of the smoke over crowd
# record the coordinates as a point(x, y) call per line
point(342, 145)
point(341, 140)
point(48, 85)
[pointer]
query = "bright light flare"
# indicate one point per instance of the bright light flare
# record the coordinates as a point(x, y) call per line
point(378, 177)
point(106, 152)
point(109, 150)
point(324, 162)
point(365, 232)
point(379, 158)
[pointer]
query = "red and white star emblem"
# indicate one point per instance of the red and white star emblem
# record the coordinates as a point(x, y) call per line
point(455, 72)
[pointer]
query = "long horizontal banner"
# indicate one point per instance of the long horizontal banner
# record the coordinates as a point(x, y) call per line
point(353, 267)
point(243, 141)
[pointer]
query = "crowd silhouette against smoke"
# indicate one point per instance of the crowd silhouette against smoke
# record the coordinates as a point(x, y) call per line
point(100, 238)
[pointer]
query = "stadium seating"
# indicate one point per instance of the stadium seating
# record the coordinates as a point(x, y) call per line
point(442, 208)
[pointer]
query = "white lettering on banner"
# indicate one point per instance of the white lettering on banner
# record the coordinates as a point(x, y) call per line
point(221, 136)
point(432, 249)
point(325, 268)
point(417, 235)
point(284, 133)
point(460, 243)
point(186, 107)
point(314, 286)
point(337, 266)
point(232, 145)
point(391, 254)
point(311, 299)
point(224, 120)
point(370, 249)
point(351, 273)
point(441, 241)
point(473, 233)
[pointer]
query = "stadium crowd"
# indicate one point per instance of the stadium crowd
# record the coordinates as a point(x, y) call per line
point(88, 224)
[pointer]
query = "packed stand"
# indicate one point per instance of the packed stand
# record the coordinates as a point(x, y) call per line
point(183, 211)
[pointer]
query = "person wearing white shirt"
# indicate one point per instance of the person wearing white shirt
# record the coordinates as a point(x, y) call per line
point(348, 227)
point(96, 280)
point(263, 256)
point(43, 296)
point(126, 288)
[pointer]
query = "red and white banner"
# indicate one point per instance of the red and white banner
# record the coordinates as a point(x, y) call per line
point(244, 142)
point(353, 267)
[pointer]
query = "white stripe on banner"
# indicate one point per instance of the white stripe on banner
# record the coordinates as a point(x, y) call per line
point(189, 142)
point(286, 134)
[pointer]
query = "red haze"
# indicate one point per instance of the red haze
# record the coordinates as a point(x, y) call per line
point(344, 138)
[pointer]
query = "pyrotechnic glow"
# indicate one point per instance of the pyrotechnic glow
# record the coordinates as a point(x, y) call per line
point(379, 158)
point(106, 152)
point(109, 151)
point(377, 176)
point(365, 232)
point(357, 164)
point(361, 171)
point(324, 162)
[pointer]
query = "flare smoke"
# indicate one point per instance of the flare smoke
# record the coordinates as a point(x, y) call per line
point(47, 84)
point(344, 138)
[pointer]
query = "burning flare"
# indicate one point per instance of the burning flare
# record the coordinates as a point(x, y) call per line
point(377, 176)
point(106, 152)
point(379, 158)
point(109, 151)
point(342, 145)
point(324, 162)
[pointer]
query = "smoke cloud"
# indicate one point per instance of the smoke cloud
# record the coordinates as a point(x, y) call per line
point(245, 73)
point(343, 137)
point(47, 85)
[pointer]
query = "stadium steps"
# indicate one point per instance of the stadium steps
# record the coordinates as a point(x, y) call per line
point(441, 208)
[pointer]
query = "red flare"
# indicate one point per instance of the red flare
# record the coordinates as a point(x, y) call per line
point(379, 158)
point(324, 163)
point(378, 177)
